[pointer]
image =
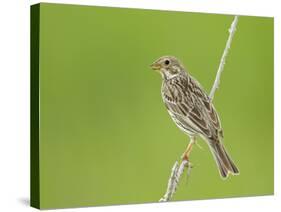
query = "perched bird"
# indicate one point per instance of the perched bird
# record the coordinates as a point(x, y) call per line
point(193, 111)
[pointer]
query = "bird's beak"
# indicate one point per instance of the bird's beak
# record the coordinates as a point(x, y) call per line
point(155, 66)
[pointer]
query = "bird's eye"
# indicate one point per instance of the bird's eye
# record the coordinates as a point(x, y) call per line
point(167, 62)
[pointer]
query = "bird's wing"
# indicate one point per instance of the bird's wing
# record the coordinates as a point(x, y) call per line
point(190, 106)
point(206, 106)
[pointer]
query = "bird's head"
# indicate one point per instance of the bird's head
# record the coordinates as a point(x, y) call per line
point(168, 66)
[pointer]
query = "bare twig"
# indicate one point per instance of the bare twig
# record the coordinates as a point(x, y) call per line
point(231, 30)
point(176, 174)
point(171, 184)
point(177, 169)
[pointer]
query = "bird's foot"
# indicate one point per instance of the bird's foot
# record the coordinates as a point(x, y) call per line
point(185, 156)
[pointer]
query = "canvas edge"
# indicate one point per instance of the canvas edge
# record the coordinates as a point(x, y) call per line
point(34, 106)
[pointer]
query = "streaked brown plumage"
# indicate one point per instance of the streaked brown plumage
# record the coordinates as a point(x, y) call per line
point(192, 110)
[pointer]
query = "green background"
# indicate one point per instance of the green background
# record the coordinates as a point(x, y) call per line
point(105, 135)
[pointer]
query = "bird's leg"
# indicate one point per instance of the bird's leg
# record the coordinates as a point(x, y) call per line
point(187, 152)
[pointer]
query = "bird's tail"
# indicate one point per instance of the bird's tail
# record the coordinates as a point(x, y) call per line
point(223, 160)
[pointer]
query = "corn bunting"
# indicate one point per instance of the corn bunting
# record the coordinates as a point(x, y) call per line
point(193, 111)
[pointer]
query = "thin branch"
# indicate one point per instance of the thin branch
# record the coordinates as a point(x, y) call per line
point(177, 169)
point(231, 30)
point(174, 179)
point(171, 184)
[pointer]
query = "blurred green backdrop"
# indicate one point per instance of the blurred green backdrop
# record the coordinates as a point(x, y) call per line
point(105, 135)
